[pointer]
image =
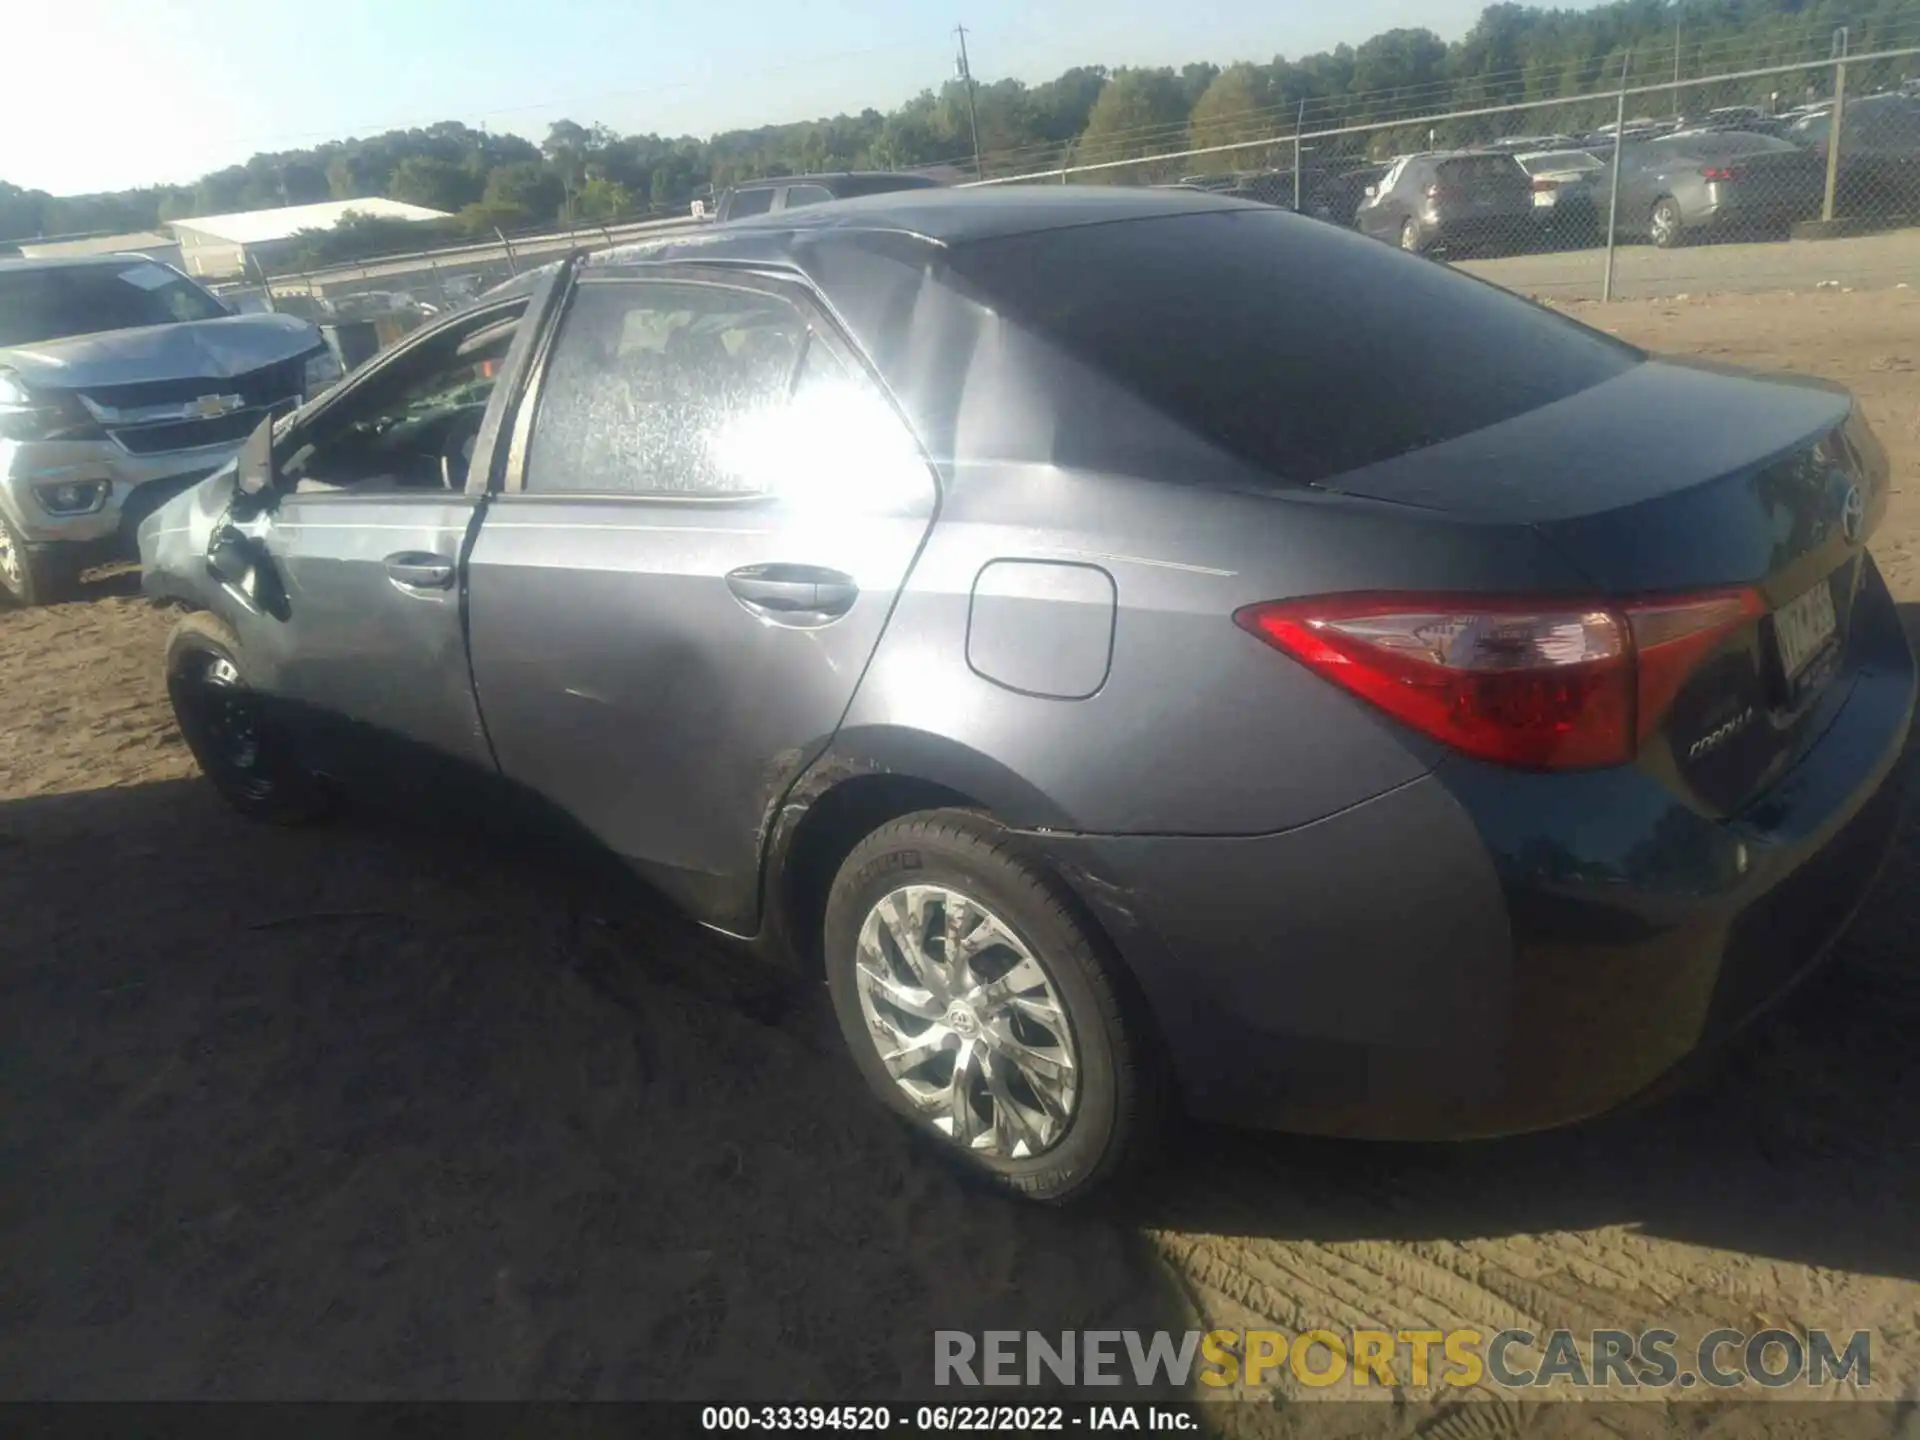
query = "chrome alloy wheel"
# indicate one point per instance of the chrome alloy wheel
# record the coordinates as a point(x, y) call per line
point(967, 1022)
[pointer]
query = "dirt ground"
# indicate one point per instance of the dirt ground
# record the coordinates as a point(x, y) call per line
point(374, 1111)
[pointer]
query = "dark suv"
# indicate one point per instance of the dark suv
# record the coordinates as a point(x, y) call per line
point(1446, 201)
point(790, 192)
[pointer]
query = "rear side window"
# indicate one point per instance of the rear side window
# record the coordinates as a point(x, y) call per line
point(1303, 348)
point(798, 195)
point(646, 381)
point(750, 202)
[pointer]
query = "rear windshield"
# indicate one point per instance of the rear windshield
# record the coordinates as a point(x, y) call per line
point(64, 300)
point(1560, 160)
point(1479, 169)
point(1302, 347)
point(852, 185)
point(1724, 142)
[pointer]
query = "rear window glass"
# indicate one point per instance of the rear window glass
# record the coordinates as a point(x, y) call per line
point(1480, 169)
point(750, 202)
point(1561, 160)
point(1304, 348)
point(1723, 142)
point(884, 184)
point(64, 300)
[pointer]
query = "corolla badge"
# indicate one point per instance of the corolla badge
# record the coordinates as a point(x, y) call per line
point(1719, 736)
point(1853, 514)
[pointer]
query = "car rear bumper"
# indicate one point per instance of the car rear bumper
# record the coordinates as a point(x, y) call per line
point(1482, 952)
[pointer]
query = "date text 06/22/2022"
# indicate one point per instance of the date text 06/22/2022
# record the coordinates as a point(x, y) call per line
point(951, 1419)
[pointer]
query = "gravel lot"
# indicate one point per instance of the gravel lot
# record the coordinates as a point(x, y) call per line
point(1865, 262)
point(378, 1112)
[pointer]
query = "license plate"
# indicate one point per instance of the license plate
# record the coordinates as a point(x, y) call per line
point(1803, 626)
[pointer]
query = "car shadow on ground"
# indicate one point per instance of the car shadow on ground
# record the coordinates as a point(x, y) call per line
point(390, 1109)
point(376, 1110)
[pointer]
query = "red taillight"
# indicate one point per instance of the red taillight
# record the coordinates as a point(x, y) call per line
point(1671, 638)
point(1541, 187)
point(1536, 684)
point(1722, 172)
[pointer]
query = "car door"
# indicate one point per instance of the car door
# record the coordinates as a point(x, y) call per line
point(1376, 215)
point(708, 512)
point(363, 648)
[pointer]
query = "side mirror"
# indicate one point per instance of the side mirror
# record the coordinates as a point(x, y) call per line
point(254, 470)
point(228, 558)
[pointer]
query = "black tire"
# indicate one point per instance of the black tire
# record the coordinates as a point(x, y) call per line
point(1121, 1094)
point(33, 576)
point(1666, 227)
point(229, 735)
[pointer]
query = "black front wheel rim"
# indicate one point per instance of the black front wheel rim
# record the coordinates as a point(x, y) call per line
point(223, 717)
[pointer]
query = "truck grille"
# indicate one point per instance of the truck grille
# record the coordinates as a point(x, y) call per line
point(256, 388)
point(187, 434)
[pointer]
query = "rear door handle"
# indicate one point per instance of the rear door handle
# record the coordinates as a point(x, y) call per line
point(803, 593)
point(418, 570)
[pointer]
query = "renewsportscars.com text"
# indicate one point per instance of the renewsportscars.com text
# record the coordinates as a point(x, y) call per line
point(1506, 1359)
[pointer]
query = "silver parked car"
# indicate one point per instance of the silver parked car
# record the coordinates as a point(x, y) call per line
point(1321, 691)
point(121, 383)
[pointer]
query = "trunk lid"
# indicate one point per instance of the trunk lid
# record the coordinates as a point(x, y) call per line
point(1680, 478)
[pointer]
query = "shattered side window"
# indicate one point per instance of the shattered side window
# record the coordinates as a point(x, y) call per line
point(646, 381)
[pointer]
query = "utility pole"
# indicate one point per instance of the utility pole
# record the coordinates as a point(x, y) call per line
point(1676, 58)
point(1835, 122)
point(973, 120)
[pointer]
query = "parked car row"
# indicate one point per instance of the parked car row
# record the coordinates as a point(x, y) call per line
point(1732, 173)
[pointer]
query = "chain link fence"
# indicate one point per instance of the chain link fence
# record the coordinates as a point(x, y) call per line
point(1775, 177)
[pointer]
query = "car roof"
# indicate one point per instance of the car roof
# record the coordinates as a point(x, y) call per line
point(943, 217)
point(74, 262)
point(763, 181)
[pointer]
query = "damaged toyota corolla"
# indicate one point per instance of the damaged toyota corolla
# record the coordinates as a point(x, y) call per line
point(122, 382)
point(1092, 629)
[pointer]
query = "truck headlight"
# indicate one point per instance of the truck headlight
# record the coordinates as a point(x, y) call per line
point(25, 415)
point(73, 497)
point(322, 370)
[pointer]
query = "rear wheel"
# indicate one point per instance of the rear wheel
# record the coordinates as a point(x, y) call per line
point(228, 730)
point(1665, 227)
point(984, 1011)
point(30, 576)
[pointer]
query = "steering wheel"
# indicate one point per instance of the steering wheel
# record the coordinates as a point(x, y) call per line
point(456, 452)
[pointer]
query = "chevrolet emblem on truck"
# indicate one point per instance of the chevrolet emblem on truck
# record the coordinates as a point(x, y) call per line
point(212, 407)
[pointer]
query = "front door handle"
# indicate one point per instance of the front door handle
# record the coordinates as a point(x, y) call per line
point(806, 594)
point(418, 570)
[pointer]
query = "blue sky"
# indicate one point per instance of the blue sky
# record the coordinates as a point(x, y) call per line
point(105, 94)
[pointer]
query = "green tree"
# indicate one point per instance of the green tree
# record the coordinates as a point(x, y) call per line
point(526, 186)
point(1139, 112)
point(435, 183)
point(603, 200)
point(1240, 104)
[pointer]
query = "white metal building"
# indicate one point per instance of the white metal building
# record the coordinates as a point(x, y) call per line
point(163, 248)
point(218, 245)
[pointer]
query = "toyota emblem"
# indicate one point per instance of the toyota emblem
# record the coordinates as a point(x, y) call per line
point(1853, 514)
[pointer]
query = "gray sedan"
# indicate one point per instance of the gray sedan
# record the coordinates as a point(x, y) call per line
point(1320, 691)
point(1701, 183)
